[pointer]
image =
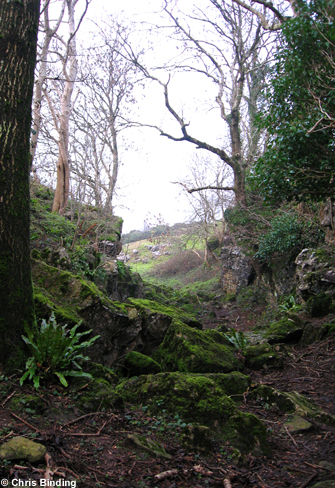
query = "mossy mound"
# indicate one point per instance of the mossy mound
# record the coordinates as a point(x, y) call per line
point(98, 371)
point(194, 351)
point(287, 330)
point(137, 364)
point(197, 399)
point(234, 383)
point(260, 356)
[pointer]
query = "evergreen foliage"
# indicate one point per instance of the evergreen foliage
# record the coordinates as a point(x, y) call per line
point(299, 161)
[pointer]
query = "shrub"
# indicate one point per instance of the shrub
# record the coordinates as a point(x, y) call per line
point(56, 351)
point(289, 234)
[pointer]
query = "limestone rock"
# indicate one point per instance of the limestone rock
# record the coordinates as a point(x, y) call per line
point(261, 355)
point(197, 399)
point(298, 425)
point(22, 448)
point(237, 269)
point(194, 351)
point(315, 273)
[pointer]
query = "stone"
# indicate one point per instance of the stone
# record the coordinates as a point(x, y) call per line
point(110, 248)
point(315, 273)
point(298, 425)
point(146, 444)
point(260, 355)
point(197, 399)
point(237, 270)
point(22, 448)
point(193, 351)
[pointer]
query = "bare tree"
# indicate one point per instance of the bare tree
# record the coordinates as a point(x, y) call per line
point(102, 114)
point(49, 30)
point(58, 92)
point(227, 45)
point(209, 202)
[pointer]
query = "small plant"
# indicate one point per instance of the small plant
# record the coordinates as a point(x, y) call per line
point(288, 304)
point(56, 350)
point(237, 338)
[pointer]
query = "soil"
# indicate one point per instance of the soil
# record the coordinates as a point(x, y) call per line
point(90, 448)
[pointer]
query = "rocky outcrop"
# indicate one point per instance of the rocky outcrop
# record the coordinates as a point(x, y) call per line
point(237, 270)
point(315, 273)
point(138, 325)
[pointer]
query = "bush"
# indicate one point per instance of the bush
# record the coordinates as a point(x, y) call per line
point(289, 235)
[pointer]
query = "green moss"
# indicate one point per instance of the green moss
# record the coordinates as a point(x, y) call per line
point(137, 364)
point(196, 398)
point(234, 383)
point(260, 355)
point(288, 329)
point(190, 350)
point(147, 307)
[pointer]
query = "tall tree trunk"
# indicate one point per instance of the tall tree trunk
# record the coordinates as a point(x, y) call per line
point(18, 37)
point(63, 164)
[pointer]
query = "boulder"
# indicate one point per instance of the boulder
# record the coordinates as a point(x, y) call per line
point(287, 330)
point(315, 273)
point(237, 270)
point(261, 356)
point(193, 351)
point(197, 399)
point(22, 448)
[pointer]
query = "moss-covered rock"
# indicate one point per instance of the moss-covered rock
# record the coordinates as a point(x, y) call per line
point(234, 383)
point(287, 330)
point(197, 399)
point(149, 307)
point(262, 355)
point(136, 364)
point(22, 448)
point(195, 351)
point(292, 402)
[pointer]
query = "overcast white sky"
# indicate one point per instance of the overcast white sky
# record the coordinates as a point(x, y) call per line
point(152, 162)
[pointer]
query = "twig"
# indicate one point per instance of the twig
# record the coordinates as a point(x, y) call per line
point(23, 421)
point(8, 398)
point(166, 474)
point(89, 435)
point(315, 466)
point(7, 436)
point(84, 417)
point(292, 439)
point(309, 480)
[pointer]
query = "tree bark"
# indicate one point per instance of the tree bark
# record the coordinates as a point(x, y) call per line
point(18, 38)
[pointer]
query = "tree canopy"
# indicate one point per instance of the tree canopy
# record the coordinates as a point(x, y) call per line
point(300, 119)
